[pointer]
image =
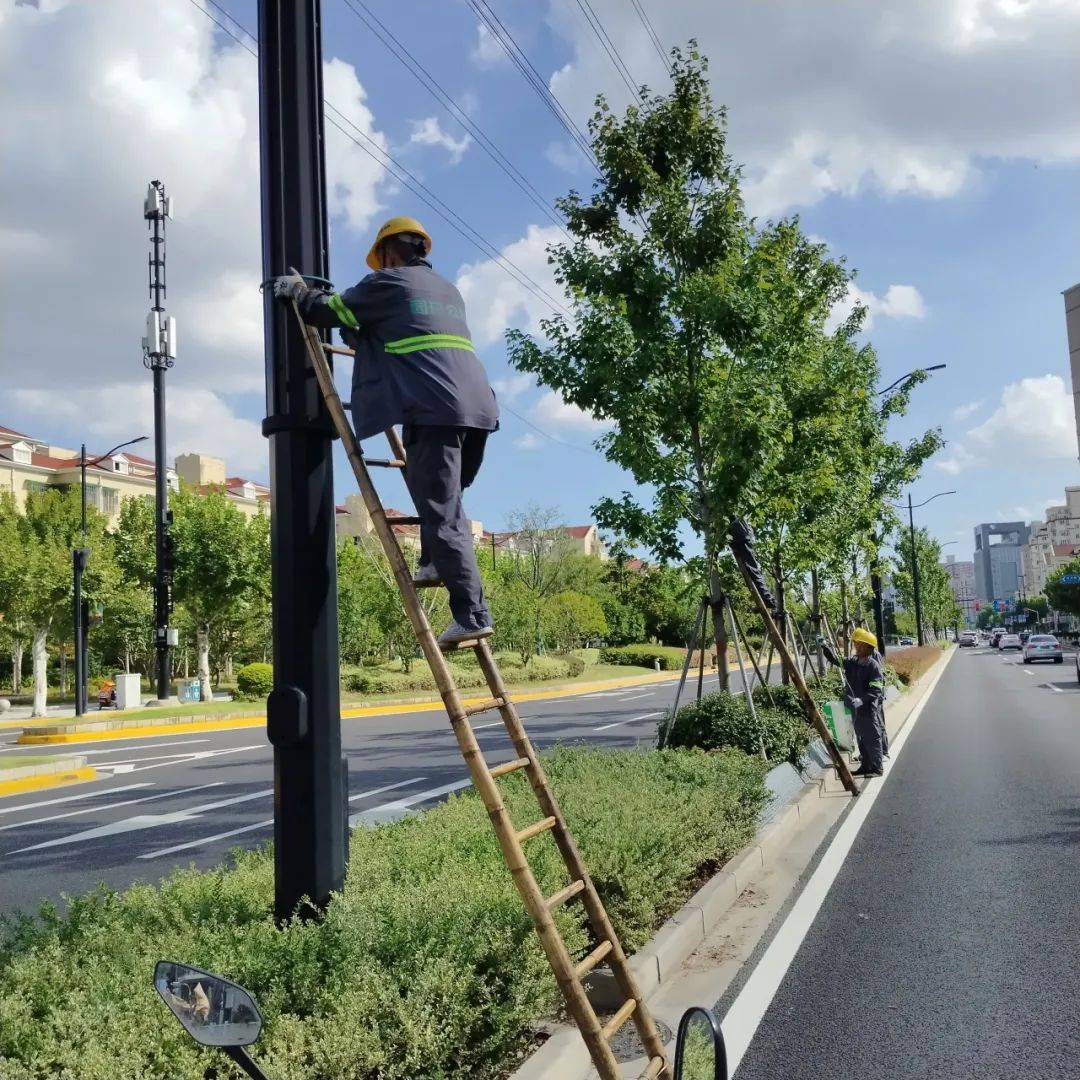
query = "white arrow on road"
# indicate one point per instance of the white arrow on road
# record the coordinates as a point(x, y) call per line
point(136, 764)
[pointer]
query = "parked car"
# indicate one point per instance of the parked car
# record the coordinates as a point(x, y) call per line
point(967, 640)
point(1010, 641)
point(1042, 647)
point(906, 641)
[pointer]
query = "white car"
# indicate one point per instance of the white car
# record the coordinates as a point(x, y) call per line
point(1042, 647)
point(1010, 641)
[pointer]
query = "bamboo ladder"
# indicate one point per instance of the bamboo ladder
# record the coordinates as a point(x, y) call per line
point(568, 974)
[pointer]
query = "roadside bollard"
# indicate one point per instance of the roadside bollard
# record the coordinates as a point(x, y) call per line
point(656, 663)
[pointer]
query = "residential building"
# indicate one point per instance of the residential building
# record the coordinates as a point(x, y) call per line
point(998, 566)
point(354, 522)
point(962, 583)
point(1052, 543)
point(581, 539)
point(1072, 332)
point(30, 464)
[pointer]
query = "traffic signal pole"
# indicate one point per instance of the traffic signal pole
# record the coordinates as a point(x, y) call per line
point(303, 711)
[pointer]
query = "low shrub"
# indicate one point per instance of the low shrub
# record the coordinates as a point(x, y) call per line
point(467, 674)
point(911, 663)
point(722, 720)
point(670, 657)
point(425, 965)
point(254, 681)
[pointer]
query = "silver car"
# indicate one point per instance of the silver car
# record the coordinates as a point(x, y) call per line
point(1042, 647)
point(1009, 641)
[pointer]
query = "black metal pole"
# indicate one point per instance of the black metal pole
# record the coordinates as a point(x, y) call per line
point(163, 562)
point(303, 712)
point(915, 574)
point(78, 565)
point(876, 602)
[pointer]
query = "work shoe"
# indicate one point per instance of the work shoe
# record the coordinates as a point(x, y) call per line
point(456, 632)
point(867, 772)
point(426, 573)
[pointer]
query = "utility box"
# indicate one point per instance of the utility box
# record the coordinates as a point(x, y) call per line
point(841, 724)
point(187, 691)
point(128, 690)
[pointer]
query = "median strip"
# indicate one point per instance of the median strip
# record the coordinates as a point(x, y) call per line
point(34, 774)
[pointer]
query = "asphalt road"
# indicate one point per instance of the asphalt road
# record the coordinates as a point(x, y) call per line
point(168, 801)
point(949, 942)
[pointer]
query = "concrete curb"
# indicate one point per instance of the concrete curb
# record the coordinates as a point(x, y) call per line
point(564, 1054)
point(131, 724)
point(47, 774)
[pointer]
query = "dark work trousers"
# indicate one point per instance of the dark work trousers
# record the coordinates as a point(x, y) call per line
point(442, 462)
point(742, 547)
point(868, 734)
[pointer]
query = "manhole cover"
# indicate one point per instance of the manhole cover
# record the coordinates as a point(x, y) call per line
point(626, 1045)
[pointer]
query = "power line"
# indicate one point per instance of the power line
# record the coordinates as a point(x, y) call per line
point(405, 177)
point(404, 56)
point(609, 47)
point(643, 15)
point(533, 77)
point(548, 435)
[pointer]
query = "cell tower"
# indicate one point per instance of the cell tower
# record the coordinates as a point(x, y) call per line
point(159, 353)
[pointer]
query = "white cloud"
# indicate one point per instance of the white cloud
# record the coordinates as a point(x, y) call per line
point(487, 50)
point(111, 95)
point(962, 412)
point(198, 420)
point(552, 410)
point(428, 132)
point(496, 301)
point(836, 98)
point(1034, 423)
point(564, 155)
point(528, 441)
point(899, 302)
point(512, 387)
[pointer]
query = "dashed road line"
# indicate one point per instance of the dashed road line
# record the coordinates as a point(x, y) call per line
point(631, 720)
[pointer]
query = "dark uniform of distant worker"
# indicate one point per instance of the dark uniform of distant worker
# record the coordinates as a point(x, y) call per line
point(415, 366)
point(864, 694)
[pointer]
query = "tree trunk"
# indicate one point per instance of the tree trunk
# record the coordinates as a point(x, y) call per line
point(720, 637)
point(228, 666)
point(845, 618)
point(63, 670)
point(781, 611)
point(16, 666)
point(202, 644)
point(41, 672)
point(815, 618)
point(127, 661)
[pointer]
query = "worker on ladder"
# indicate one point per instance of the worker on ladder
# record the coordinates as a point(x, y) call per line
point(864, 694)
point(415, 366)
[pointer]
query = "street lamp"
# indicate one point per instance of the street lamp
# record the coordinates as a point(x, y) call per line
point(79, 558)
point(910, 374)
point(915, 561)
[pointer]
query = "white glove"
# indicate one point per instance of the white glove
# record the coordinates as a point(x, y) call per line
point(856, 703)
point(289, 287)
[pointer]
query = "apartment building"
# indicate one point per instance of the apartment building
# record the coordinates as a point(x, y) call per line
point(353, 522)
point(1054, 541)
point(581, 539)
point(31, 464)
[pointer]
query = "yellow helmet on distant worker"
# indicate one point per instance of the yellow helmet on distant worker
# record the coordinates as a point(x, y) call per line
point(865, 637)
point(394, 227)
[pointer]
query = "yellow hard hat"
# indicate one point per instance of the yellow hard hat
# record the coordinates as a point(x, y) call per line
point(865, 637)
point(394, 227)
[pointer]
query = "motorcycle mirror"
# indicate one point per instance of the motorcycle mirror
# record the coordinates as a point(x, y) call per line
point(212, 1010)
point(699, 1047)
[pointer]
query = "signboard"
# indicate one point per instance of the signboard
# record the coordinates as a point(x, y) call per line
point(1070, 579)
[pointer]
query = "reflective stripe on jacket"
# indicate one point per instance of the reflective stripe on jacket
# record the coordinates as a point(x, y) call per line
point(415, 362)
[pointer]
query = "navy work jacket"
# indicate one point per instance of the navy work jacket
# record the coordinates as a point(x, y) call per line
point(415, 362)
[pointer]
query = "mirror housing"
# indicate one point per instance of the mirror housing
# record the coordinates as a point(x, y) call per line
point(700, 1053)
point(212, 1010)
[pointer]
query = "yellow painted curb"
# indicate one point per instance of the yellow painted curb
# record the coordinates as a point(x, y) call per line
point(28, 739)
point(47, 780)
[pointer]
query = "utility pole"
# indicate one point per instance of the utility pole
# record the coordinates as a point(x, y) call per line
point(159, 352)
point(915, 574)
point(303, 711)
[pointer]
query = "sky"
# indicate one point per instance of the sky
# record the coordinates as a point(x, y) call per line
point(933, 144)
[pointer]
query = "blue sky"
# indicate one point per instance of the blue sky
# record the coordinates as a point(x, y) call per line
point(931, 144)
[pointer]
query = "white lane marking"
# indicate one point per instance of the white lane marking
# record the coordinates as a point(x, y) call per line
point(482, 727)
point(1051, 686)
point(111, 806)
point(632, 697)
point(143, 821)
point(73, 798)
point(391, 811)
point(632, 720)
point(1026, 672)
point(746, 1012)
point(135, 765)
point(203, 841)
point(113, 750)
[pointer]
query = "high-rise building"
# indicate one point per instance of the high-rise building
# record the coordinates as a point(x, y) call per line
point(1053, 542)
point(1072, 331)
point(999, 559)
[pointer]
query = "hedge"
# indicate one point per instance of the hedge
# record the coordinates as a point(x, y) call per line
point(670, 657)
point(425, 966)
point(378, 680)
point(910, 664)
point(254, 681)
point(723, 720)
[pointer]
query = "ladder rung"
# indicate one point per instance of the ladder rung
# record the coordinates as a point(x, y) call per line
point(560, 898)
point(536, 828)
point(400, 520)
point(656, 1067)
point(510, 766)
point(339, 349)
point(620, 1018)
point(384, 463)
point(426, 583)
point(592, 959)
point(467, 643)
point(485, 706)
